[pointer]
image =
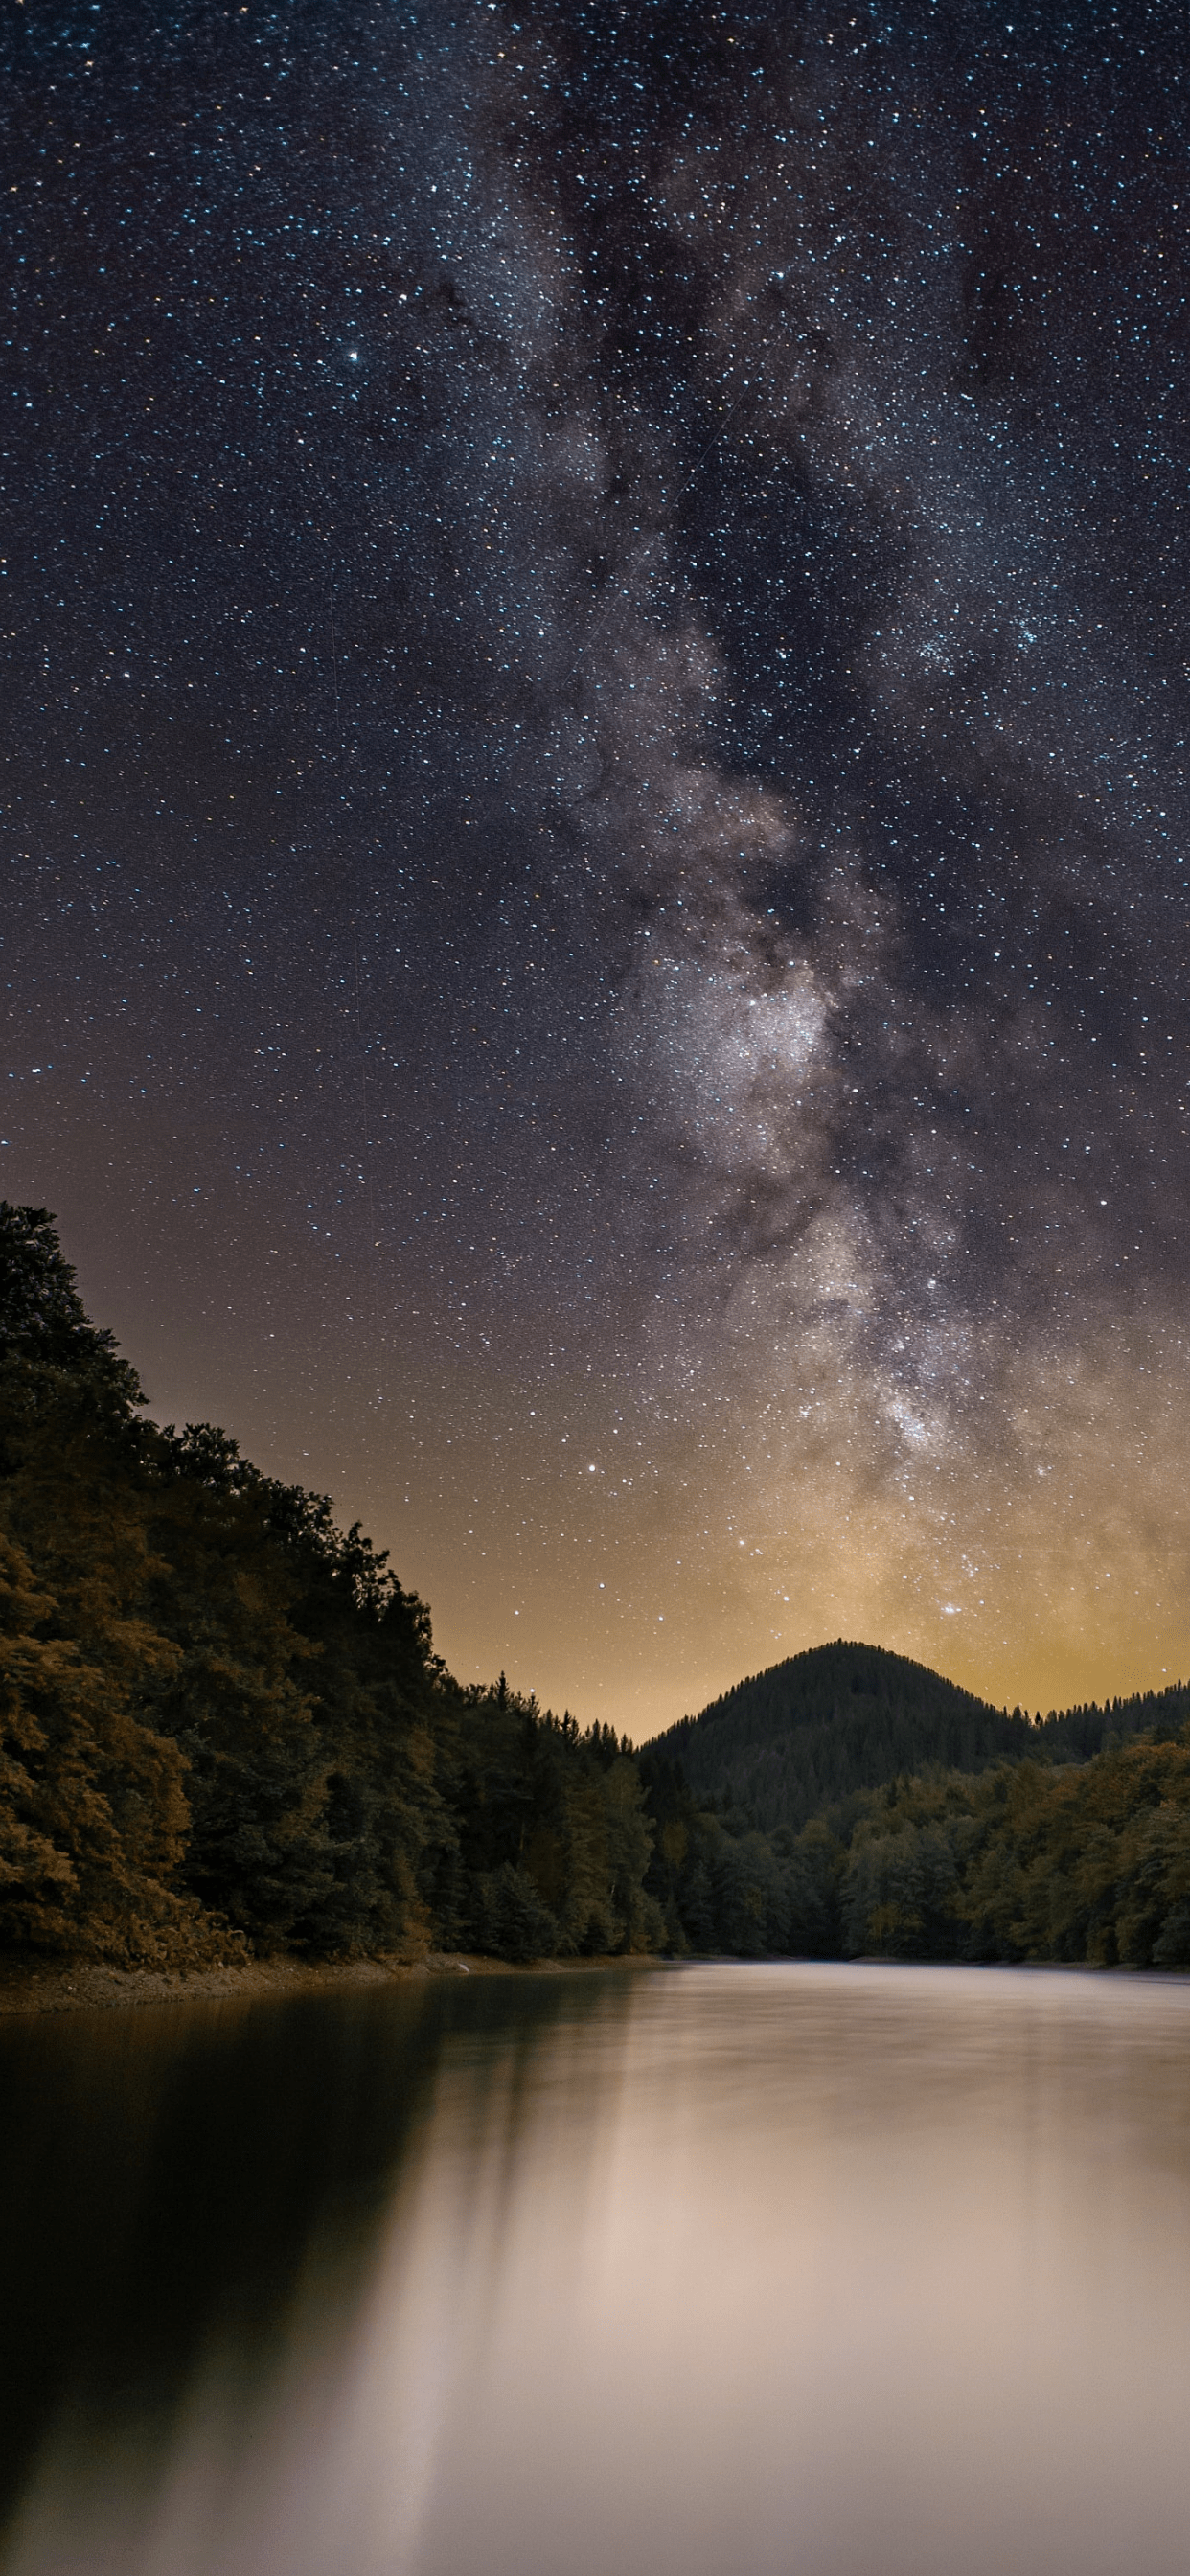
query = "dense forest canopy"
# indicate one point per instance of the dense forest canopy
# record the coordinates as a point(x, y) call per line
point(842, 1718)
point(225, 1729)
point(224, 1732)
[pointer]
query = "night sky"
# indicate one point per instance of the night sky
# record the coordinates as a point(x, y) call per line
point(596, 690)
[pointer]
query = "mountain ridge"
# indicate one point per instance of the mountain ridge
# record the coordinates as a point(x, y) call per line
point(820, 1727)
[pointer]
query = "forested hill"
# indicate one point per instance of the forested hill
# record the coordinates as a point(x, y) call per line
point(823, 1726)
point(224, 1731)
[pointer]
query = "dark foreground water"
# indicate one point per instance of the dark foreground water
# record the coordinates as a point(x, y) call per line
point(873, 2271)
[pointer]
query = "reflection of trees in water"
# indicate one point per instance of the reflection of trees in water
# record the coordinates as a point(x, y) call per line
point(181, 2174)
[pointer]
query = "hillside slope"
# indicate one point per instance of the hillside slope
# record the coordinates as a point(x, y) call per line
point(825, 1724)
point(224, 1732)
point(840, 1719)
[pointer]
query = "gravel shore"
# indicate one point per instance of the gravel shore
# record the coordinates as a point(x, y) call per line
point(71, 1987)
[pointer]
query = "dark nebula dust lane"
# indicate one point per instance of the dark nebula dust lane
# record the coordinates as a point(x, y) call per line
point(596, 821)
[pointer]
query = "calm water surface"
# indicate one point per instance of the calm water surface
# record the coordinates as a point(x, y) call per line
point(832, 2271)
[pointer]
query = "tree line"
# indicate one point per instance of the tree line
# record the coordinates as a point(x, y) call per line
point(224, 1732)
point(223, 1727)
point(812, 1731)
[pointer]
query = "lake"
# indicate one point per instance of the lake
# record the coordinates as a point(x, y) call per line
point(831, 2271)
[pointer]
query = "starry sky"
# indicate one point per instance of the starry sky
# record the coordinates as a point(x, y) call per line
point(597, 651)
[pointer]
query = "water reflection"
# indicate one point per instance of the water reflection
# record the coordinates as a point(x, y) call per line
point(834, 2269)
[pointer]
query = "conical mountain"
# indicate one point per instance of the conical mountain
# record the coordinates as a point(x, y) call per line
point(839, 1718)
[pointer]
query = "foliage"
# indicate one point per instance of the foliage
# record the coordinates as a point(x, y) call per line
point(1035, 1860)
point(223, 1727)
point(824, 1725)
point(93, 1814)
point(719, 1885)
point(1087, 1863)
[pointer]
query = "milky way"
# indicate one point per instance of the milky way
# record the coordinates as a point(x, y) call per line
point(599, 657)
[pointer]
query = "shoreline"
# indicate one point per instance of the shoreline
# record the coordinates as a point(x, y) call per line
point(89, 1985)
